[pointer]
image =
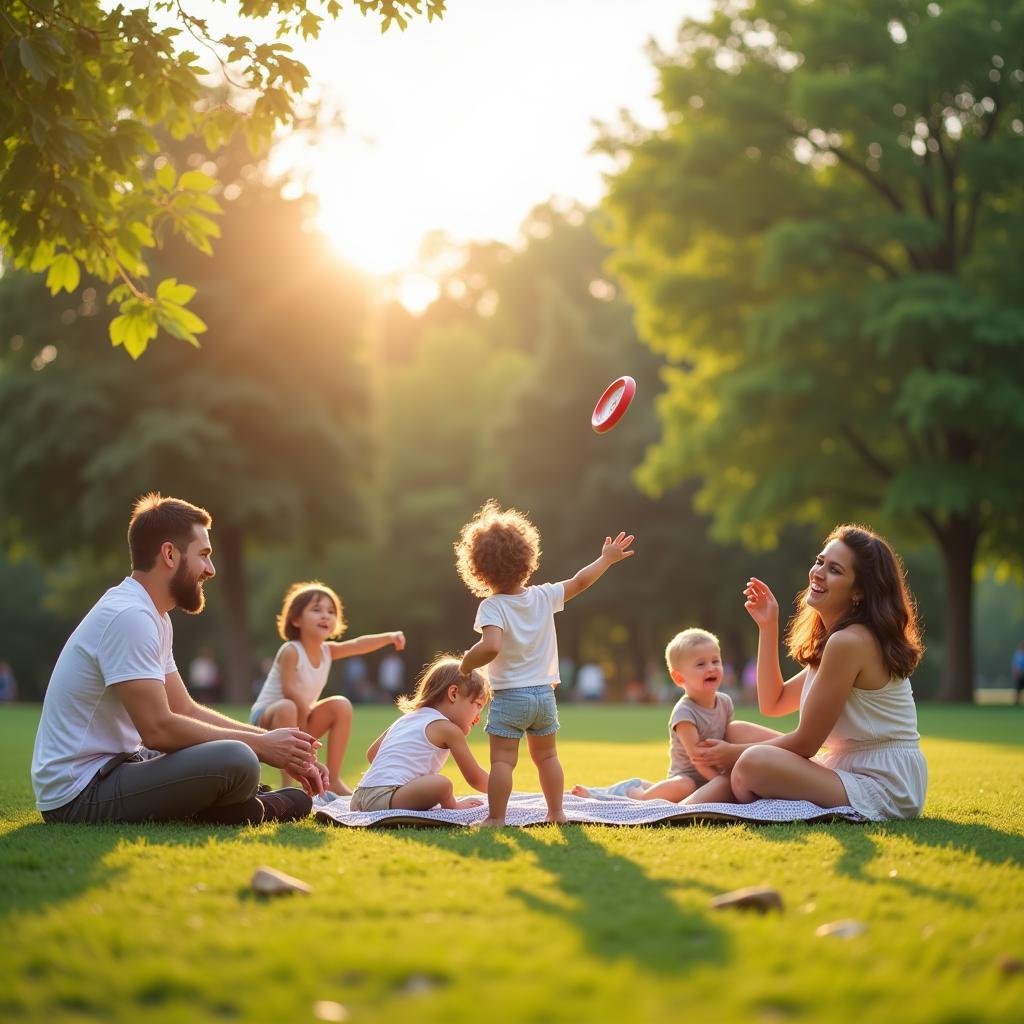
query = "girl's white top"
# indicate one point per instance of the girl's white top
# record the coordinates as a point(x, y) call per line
point(311, 680)
point(405, 753)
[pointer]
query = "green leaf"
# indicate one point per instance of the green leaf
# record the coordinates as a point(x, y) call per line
point(184, 317)
point(36, 63)
point(165, 176)
point(196, 181)
point(138, 332)
point(119, 329)
point(169, 290)
point(42, 257)
point(143, 233)
point(64, 273)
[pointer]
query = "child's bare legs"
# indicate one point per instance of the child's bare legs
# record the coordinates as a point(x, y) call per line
point(749, 732)
point(549, 768)
point(504, 755)
point(668, 789)
point(717, 791)
point(282, 714)
point(423, 793)
point(334, 717)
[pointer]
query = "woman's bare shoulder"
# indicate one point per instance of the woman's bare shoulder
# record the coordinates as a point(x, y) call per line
point(858, 643)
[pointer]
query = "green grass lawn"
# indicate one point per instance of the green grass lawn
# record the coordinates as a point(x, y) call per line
point(157, 923)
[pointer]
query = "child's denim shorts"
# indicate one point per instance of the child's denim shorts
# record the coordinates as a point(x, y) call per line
point(522, 709)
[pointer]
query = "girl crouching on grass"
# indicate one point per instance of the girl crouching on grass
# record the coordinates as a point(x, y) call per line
point(406, 759)
point(310, 615)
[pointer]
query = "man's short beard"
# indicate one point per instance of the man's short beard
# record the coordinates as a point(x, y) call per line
point(187, 590)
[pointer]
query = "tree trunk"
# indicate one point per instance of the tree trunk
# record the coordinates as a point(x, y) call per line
point(231, 558)
point(959, 541)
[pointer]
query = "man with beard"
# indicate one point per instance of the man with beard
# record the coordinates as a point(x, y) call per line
point(120, 739)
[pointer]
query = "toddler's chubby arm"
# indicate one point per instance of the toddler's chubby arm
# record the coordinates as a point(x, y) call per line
point(365, 644)
point(612, 552)
point(687, 732)
point(484, 651)
point(449, 736)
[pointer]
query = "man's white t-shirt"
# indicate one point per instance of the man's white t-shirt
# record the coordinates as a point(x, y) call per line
point(529, 648)
point(84, 724)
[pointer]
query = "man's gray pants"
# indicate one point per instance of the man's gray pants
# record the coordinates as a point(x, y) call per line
point(212, 782)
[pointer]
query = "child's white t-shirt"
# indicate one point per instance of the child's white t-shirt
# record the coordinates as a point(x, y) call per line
point(84, 724)
point(529, 648)
point(311, 679)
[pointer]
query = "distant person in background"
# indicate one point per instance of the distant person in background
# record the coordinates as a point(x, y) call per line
point(357, 679)
point(1017, 669)
point(567, 675)
point(729, 679)
point(590, 682)
point(8, 684)
point(391, 676)
point(749, 680)
point(204, 677)
point(120, 739)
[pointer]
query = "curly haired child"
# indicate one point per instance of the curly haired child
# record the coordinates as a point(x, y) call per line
point(496, 554)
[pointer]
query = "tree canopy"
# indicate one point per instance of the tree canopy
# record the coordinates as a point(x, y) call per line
point(88, 91)
point(824, 243)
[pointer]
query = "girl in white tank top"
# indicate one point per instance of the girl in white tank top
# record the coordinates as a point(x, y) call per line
point(406, 759)
point(291, 695)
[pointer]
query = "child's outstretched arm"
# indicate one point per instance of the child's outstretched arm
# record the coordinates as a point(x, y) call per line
point(484, 651)
point(365, 644)
point(612, 552)
point(448, 735)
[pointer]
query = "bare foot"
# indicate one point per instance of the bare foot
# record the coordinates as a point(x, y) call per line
point(339, 787)
point(491, 823)
point(557, 819)
point(580, 791)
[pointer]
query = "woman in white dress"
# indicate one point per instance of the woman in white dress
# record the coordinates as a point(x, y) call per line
point(856, 635)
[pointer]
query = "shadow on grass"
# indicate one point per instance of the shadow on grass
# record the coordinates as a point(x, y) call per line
point(617, 911)
point(46, 864)
point(859, 848)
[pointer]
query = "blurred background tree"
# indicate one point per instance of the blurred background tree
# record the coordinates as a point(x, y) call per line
point(824, 244)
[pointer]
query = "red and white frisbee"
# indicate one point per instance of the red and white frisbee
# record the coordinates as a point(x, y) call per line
point(612, 405)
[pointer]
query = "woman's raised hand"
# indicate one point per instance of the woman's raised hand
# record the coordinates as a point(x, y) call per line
point(760, 603)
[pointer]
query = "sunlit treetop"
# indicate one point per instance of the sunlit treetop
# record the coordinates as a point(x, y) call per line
point(85, 95)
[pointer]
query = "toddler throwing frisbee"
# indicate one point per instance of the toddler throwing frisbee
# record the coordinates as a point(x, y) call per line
point(496, 554)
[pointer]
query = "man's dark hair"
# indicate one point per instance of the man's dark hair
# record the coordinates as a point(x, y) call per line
point(157, 520)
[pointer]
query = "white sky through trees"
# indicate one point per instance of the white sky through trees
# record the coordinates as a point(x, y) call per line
point(462, 126)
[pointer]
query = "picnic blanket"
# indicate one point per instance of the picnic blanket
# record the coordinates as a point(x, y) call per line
point(530, 809)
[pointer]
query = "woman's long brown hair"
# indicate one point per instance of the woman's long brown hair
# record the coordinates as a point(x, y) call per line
point(886, 607)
